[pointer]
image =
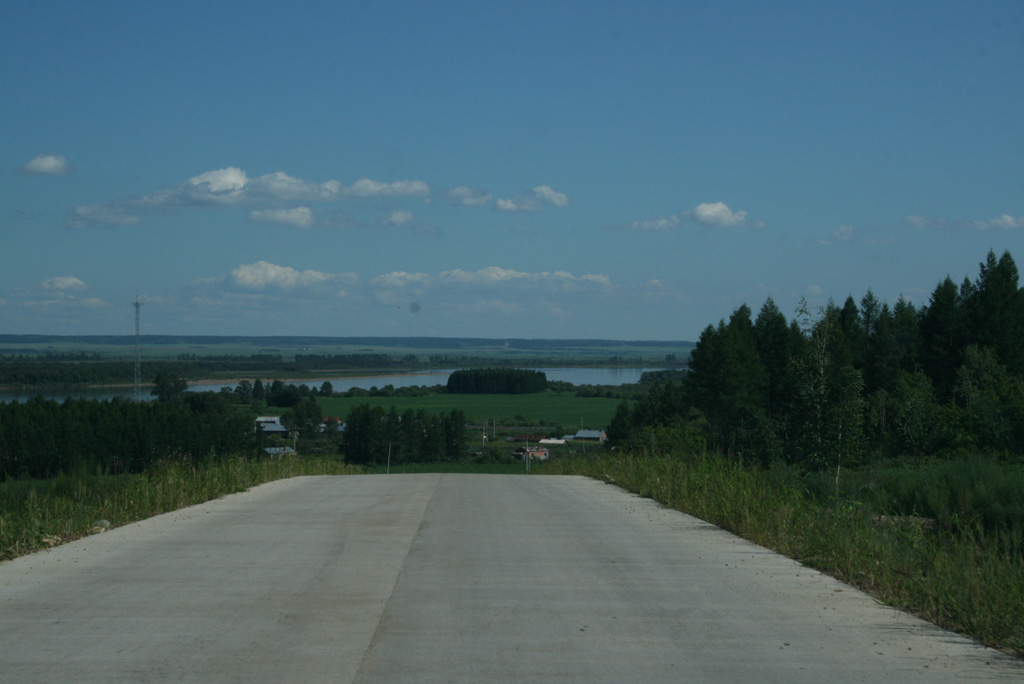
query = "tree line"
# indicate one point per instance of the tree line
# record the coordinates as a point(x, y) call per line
point(42, 438)
point(72, 369)
point(836, 385)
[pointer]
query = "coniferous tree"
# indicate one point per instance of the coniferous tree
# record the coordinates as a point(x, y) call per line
point(994, 311)
point(943, 332)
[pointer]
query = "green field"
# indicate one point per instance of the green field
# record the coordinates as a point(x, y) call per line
point(544, 408)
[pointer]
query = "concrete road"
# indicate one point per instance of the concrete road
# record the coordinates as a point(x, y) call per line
point(450, 578)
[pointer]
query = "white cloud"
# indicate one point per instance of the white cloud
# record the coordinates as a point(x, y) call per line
point(300, 217)
point(533, 200)
point(547, 194)
point(718, 214)
point(708, 214)
point(47, 165)
point(63, 283)
point(469, 197)
point(229, 180)
point(262, 275)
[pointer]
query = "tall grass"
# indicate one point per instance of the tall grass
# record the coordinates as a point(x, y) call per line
point(966, 580)
point(35, 514)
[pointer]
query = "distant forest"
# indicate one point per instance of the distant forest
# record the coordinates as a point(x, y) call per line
point(847, 382)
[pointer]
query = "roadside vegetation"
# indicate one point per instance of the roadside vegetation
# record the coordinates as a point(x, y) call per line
point(959, 571)
point(37, 514)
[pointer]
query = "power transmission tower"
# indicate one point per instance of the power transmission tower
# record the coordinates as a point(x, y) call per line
point(137, 395)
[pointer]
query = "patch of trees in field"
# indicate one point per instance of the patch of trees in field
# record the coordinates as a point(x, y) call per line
point(832, 386)
point(371, 434)
point(497, 381)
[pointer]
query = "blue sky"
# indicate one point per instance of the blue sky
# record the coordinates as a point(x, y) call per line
point(543, 170)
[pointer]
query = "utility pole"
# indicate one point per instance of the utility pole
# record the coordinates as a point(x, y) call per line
point(137, 393)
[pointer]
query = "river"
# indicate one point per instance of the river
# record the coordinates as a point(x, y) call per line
point(343, 383)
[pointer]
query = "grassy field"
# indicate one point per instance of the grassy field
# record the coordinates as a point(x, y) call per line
point(547, 408)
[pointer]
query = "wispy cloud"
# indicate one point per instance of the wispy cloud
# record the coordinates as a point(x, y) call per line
point(364, 187)
point(47, 165)
point(842, 234)
point(300, 217)
point(63, 283)
point(1001, 222)
point(657, 223)
point(468, 197)
point(401, 279)
point(533, 200)
point(400, 218)
point(60, 296)
point(494, 275)
point(231, 186)
point(112, 214)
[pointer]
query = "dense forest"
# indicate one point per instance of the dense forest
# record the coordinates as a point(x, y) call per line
point(845, 383)
point(42, 438)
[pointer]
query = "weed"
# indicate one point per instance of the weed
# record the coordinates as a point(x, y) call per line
point(35, 514)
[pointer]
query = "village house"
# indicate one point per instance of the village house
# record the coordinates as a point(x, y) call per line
point(271, 425)
point(534, 453)
point(591, 436)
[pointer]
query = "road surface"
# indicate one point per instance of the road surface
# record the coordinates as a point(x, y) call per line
point(451, 578)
